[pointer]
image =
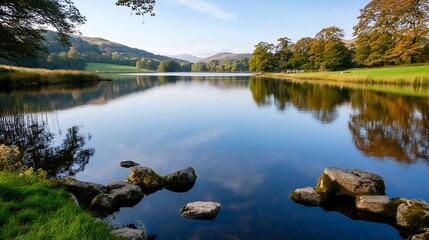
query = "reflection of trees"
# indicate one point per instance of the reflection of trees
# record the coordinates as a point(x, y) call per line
point(56, 98)
point(321, 101)
point(383, 125)
point(391, 126)
point(30, 133)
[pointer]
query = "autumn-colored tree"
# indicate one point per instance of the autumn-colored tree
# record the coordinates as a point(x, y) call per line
point(401, 26)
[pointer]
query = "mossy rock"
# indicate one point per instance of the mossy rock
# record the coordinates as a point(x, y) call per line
point(102, 203)
point(413, 214)
point(146, 178)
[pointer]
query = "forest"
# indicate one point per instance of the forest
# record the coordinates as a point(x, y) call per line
point(388, 32)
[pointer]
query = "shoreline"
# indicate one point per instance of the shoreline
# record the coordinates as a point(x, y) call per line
point(12, 77)
point(402, 75)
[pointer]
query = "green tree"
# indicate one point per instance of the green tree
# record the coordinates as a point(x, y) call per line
point(185, 66)
point(169, 66)
point(300, 58)
point(328, 51)
point(263, 59)
point(199, 67)
point(284, 53)
point(23, 23)
point(212, 65)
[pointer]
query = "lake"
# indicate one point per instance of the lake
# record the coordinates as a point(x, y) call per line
point(251, 142)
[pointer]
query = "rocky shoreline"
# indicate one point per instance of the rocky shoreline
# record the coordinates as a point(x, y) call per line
point(361, 195)
point(141, 182)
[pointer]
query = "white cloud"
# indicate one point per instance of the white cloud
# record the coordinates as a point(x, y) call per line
point(208, 8)
point(200, 138)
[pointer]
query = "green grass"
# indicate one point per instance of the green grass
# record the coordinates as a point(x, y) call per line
point(17, 77)
point(107, 67)
point(31, 209)
point(403, 75)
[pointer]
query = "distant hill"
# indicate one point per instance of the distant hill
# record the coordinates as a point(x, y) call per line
point(109, 47)
point(186, 57)
point(227, 56)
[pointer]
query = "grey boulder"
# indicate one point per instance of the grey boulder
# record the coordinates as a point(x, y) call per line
point(180, 181)
point(307, 196)
point(130, 233)
point(201, 210)
point(337, 182)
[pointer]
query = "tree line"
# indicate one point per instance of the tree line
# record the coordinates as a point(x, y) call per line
point(389, 32)
point(233, 65)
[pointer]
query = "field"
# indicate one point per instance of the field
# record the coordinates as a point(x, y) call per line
point(110, 68)
point(404, 75)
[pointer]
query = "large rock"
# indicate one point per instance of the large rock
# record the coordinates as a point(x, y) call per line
point(146, 178)
point(102, 203)
point(201, 210)
point(180, 181)
point(413, 214)
point(128, 164)
point(130, 233)
point(375, 204)
point(84, 191)
point(307, 196)
point(124, 194)
point(336, 181)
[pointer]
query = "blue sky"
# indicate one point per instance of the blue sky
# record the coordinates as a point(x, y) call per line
point(206, 27)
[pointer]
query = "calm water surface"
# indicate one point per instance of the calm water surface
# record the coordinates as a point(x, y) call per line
point(250, 141)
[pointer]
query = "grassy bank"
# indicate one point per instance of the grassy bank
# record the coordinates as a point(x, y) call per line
point(113, 68)
point(404, 75)
point(31, 209)
point(18, 77)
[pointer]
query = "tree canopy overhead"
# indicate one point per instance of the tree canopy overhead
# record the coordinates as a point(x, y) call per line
point(23, 23)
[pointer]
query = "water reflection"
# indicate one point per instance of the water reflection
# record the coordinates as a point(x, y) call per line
point(382, 125)
point(389, 126)
point(30, 132)
point(321, 101)
point(64, 97)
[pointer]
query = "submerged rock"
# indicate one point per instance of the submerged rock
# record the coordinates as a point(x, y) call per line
point(84, 191)
point(124, 194)
point(336, 181)
point(130, 233)
point(128, 164)
point(146, 178)
point(201, 210)
point(376, 204)
point(413, 214)
point(307, 196)
point(180, 181)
